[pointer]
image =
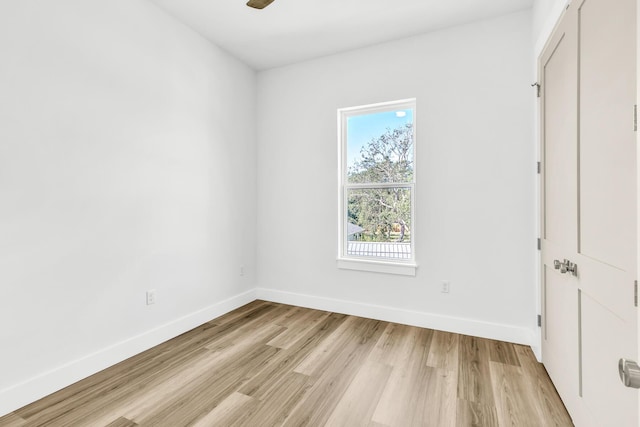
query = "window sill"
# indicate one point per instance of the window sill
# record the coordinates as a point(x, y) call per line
point(388, 267)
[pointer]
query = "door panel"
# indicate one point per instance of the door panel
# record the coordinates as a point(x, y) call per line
point(560, 131)
point(561, 333)
point(611, 287)
point(607, 139)
point(605, 399)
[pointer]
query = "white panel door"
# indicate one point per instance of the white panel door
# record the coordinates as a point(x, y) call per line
point(559, 77)
point(588, 73)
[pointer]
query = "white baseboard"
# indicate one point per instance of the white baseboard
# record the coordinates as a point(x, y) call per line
point(439, 322)
point(22, 394)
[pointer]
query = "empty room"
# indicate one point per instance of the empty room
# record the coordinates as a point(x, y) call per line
point(319, 213)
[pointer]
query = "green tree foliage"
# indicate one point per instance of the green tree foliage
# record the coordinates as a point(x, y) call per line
point(384, 213)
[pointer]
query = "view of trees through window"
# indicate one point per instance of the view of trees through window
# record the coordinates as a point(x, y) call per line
point(379, 183)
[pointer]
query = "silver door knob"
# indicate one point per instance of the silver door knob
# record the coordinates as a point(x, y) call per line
point(566, 266)
point(571, 267)
point(629, 373)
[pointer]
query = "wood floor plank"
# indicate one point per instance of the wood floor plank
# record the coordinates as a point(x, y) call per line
point(122, 422)
point(269, 364)
point(293, 315)
point(298, 328)
point(354, 333)
point(441, 399)
point(412, 384)
point(335, 371)
point(12, 420)
point(322, 353)
point(552, 410)
point(202, 395)
point(471, 414)
point(154, 392)
point(503, 352)
point(242, 311)
point(474, 376)
point(238, 344)
point(285, 361)
point(443, 352)
point(395, 345)
point(429, 400)
point(357, 405)
point(243, 332)
point(277, 405)
point(232, 409)
point(512, 391)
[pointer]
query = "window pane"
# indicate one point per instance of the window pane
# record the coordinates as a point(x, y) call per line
point(379, 222)
point(380, 147)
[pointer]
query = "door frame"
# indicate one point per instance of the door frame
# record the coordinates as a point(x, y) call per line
point(638, 159)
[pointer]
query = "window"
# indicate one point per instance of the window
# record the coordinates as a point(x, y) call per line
point(377, 187)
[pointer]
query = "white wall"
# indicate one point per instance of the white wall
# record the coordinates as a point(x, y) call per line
point(476, 181)
point(545, 15)
point(127, 162)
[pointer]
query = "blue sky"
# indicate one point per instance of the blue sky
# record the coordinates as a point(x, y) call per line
point(361, 129)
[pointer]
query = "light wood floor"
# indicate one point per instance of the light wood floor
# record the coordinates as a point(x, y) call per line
point(269, 364)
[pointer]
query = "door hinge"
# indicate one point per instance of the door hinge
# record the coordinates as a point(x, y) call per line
point(635, 118)
point(537, 86)
point(539, 321)
point(635, 293)
point(539, 167)
point(539, 244)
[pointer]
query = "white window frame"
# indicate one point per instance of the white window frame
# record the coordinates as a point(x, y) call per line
point(405, 267)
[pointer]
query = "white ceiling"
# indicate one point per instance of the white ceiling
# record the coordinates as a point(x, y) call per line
point(290, 31)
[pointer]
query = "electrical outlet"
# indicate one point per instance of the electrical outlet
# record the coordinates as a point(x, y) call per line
point(151, 296)
point(242, 270)
point(445, 287)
